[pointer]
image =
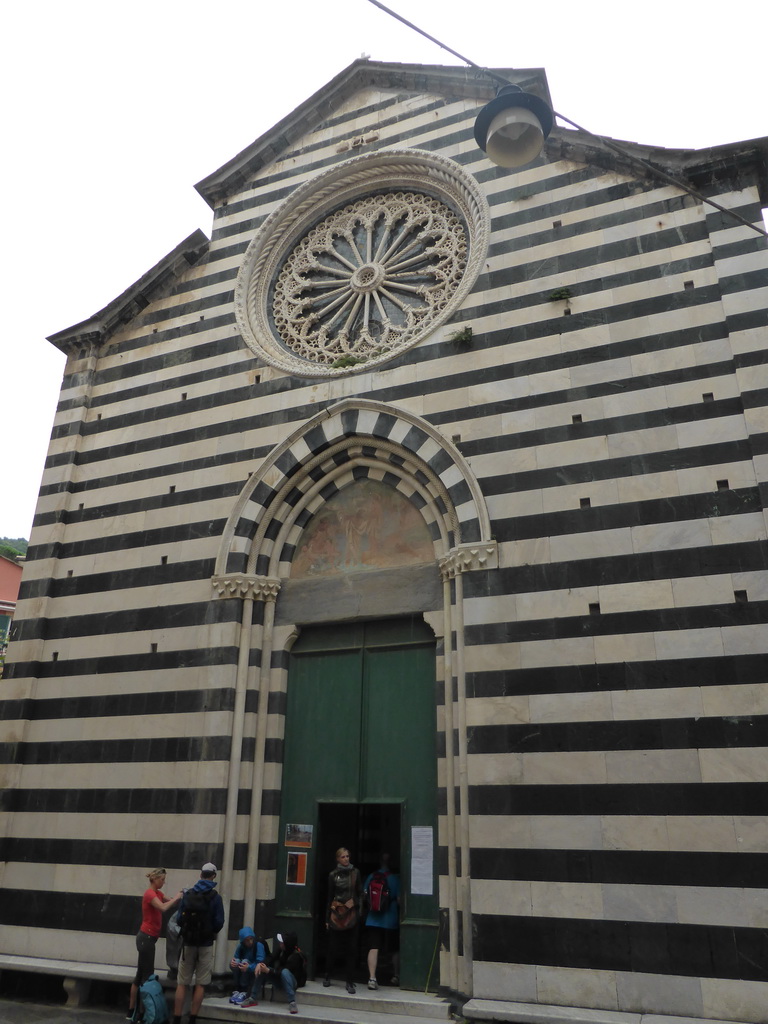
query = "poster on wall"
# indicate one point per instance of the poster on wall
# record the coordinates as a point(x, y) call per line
point(296, 869)
point(421, 860)
point(299, 835)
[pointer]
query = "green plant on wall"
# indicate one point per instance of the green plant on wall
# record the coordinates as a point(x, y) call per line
point(461, 336)
point(560, 295)
point(344, 361)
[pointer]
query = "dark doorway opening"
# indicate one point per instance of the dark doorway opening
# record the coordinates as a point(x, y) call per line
point(367, 830)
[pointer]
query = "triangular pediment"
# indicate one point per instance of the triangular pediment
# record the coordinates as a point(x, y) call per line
point(358, 90)
point(348, 90)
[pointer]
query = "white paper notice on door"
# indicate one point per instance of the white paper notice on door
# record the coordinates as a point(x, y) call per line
point(421, 860)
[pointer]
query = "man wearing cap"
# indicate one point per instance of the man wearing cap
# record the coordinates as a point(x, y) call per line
point(201, 916)
point(289, 971)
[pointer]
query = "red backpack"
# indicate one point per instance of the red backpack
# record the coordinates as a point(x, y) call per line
point(379, 896)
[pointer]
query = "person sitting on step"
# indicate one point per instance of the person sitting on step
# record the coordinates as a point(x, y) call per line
point(288, 971)
point(249, 952)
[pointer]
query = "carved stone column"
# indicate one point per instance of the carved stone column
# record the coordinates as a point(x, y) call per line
point(248, 588)
point(460, 559)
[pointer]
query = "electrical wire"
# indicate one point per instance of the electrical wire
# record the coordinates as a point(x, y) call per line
point(608, 143)
point(486, 71)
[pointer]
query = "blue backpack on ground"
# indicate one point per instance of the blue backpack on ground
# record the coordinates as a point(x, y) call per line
point(151, 1007)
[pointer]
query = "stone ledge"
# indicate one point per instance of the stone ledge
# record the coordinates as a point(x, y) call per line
point(72, 968)
point(540, 1013)
point(77, 976)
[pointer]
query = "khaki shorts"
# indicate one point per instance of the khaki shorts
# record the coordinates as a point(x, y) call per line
point(197, 961)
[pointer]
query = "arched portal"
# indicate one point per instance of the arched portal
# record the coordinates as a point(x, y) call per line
point(352, 432)
point(350, 450)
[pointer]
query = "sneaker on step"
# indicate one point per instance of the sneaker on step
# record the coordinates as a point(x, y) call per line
point(350, 988)
point(237, 997)
point(293, 1008)
point(372, 984)
point(250, 1001)
point(395, 980)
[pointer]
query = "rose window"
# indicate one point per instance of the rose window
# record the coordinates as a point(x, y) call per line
point(361, 263)
point(368, 276)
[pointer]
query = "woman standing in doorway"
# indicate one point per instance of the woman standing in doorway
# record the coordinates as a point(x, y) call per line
point(153, 903)
point(342, 915)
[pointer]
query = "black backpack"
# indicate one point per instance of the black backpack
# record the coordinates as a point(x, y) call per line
point(301, 976)
point(195, 922)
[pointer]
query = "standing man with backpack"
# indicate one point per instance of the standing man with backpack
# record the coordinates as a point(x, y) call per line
point(201, 918)
point(382, 925)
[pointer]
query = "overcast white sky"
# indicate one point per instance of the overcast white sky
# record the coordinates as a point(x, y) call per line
point(112, 112)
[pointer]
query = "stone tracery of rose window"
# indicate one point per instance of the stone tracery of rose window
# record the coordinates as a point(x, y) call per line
point(369, 275)
point(361, 263)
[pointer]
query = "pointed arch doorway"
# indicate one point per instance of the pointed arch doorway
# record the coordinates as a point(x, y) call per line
point(360, 769)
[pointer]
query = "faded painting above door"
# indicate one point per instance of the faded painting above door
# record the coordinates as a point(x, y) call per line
point(368, 525)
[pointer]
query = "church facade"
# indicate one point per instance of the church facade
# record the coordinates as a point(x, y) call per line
point(420, 510)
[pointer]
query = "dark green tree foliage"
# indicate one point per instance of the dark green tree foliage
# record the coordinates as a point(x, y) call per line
point(13, 547)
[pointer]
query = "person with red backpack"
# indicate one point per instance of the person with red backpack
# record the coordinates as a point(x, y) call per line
point(382, 925)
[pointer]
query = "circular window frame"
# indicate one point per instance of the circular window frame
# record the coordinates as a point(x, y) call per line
point(392, 170)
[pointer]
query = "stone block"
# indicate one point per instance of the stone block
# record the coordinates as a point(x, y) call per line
point(565, 986)
point(655, 993)
point(732, 999)
point(625, 767)
point(504, 982)
point(639, 902)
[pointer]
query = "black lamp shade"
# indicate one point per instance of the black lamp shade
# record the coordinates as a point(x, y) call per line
point(512, 128)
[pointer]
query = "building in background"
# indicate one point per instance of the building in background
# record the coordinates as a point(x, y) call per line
point(421, 509)
point(10, 580)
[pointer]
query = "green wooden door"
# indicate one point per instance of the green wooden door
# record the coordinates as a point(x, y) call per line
point(360, 732)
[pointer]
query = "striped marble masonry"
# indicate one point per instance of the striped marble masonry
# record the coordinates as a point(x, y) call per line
point(615, 660)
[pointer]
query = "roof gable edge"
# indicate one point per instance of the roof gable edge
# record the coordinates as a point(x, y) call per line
point(695, 168)
point(121, 310)
point(467, 82)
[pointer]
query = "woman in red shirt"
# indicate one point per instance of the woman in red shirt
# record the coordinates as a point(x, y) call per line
point(153, 903)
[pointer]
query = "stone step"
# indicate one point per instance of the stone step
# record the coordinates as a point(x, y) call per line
point(318, 1005)
point(508, 1012)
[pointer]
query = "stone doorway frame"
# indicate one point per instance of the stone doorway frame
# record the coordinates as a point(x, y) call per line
point(331, 450)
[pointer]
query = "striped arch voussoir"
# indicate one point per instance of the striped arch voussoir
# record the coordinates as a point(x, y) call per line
point(350, 441)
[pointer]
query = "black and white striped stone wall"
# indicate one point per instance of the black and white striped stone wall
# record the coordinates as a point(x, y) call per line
point(615, 661)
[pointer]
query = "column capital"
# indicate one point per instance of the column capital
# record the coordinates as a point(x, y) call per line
point(469, 558)
point(240, 584)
